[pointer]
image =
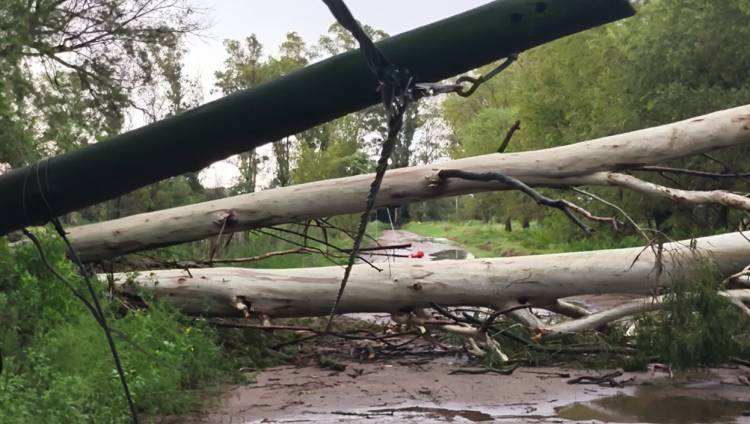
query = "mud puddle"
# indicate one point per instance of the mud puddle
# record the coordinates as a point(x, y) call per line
point(449, 254)
point(410, 414)
point(431, 248)
point(657, 405)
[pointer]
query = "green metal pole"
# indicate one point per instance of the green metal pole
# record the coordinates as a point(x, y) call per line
point(284, 106)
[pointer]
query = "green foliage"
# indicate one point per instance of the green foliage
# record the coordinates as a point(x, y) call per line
point(70, 69)
point(254, 244)
point(698, 327)
point(342, 157)
point(553, 235)
point(675, 59)
point(58, 368)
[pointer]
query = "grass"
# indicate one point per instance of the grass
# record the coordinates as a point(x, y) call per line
point(698, 327)
point(56, 364)
point(256, 244)
point(484, 239)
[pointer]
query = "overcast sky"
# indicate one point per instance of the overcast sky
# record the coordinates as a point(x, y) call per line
point(271, 20)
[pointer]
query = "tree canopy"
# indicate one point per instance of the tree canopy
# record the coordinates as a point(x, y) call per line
point(673, 60)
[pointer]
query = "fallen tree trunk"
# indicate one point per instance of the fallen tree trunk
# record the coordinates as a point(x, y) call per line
point(285, 106)
point(231, 292)
point(592, 162)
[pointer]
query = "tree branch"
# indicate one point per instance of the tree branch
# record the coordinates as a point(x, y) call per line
point(516, 126)
point(519, 185)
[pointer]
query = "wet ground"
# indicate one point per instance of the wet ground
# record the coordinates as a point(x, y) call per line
point(434, 249)
point(427, 393)
point(423, 390)
point(661, 403)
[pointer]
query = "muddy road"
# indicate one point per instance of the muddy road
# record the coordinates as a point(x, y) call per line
point(399, 392)
point(413, 389)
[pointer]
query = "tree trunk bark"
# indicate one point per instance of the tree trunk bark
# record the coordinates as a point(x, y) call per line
point(589, 162)
point(539, 280)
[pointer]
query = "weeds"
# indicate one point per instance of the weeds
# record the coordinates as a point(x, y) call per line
point(553, 235)
point(57, 366)
point(697, 328)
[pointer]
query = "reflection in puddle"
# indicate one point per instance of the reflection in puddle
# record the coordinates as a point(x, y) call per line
point(439, 413)
point(648, 407)
point(449, 254)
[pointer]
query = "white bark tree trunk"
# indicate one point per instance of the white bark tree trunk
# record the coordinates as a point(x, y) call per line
point(228, 292)
point(590, 162)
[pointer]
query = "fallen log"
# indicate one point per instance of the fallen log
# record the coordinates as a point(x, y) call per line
point(286, 105)
point(236, 292)
point(594, 162)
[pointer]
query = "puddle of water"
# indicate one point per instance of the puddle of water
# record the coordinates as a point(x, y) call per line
point(647, 406)
point(441, 414)
point(449, 254)
point(390, 415)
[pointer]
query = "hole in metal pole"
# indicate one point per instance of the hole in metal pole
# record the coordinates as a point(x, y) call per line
point(541, 7)
point(516, 18)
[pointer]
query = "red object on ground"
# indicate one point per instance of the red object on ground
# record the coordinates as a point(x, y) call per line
point(417, 254)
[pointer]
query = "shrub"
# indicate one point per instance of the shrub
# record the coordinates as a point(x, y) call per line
point(58, 368)
point(697, 327)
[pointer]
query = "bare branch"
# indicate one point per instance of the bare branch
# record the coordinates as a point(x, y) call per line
point(516, 127)
point(619, 209)
point(519, 185)
point(713, 197)
point(696, 173)
point(588, 215)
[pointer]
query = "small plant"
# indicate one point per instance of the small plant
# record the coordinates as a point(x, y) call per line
point(697, 327)
point(57, 365)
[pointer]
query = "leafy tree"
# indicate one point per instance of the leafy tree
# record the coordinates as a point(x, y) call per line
point(673, 60)
point(246, 67)
point(69, 68)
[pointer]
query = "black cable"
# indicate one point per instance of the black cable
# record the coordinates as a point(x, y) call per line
point(397, 89)
point(376, 61)
point(102, 318)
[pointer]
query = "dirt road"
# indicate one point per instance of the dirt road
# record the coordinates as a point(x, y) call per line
point(423, 390)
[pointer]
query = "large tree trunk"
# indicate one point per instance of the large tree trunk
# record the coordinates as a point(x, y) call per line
point(591, 162)
point(285, 106)
point(229, 292)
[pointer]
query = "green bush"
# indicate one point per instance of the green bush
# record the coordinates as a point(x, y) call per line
point(58, 368)
point(555, 234)
point(698, 327)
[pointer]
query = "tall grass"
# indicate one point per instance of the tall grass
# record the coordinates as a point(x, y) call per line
point(553, 235)
point(698, 327)
point(57, 367)
point(257, 243)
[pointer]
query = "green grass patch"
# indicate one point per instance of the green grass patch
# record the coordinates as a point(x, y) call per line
point(698, 327)
point(256, 244)
point(489, 239)
point(58, 368)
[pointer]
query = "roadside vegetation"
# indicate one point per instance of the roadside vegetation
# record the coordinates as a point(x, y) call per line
point(56, 364)
point(551, 235)
point(676, 59)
